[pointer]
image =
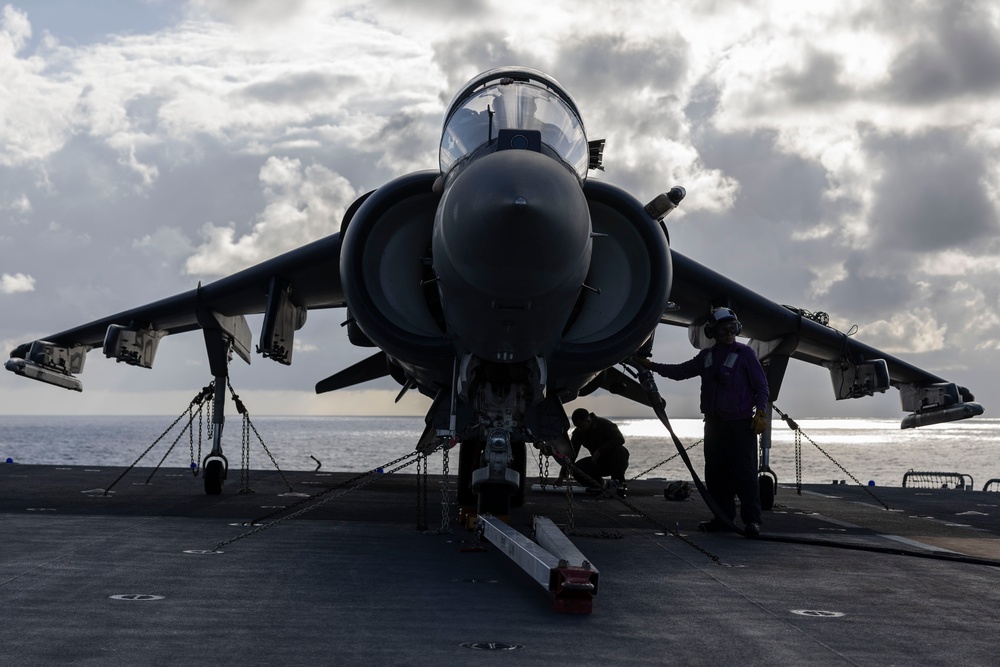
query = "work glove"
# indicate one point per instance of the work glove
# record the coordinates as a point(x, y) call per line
point(636, 360)
point(759, 422)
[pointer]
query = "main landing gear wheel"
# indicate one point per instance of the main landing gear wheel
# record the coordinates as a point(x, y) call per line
point(470, 453)
point(768, 482)
point(214, 473)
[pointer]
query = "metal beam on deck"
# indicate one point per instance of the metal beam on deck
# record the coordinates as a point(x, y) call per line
point(553, 562)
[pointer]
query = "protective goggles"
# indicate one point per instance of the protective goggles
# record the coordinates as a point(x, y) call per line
point(727, 328)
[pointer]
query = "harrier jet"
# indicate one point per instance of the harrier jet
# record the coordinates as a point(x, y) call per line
point(501, 285)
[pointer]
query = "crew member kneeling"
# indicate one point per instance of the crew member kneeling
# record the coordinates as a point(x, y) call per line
point(606, 444)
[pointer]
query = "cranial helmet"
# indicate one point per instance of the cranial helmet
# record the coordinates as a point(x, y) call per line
point(719, 316)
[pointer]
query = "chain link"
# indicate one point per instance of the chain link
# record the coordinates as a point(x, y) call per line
point(422, 491)
point(242, 409)
point(798, 462)
point(195, 463)
point(607, 492)
point(666, 460)
point(570, 518)
point(268, 452)
point(799, 433)
point(245, 457)
point(445, 495)
point(197, 400)
point(372, 475)
point(167, 453)
point(210, 413)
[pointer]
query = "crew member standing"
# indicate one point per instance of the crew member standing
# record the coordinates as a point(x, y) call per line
point(606, 444)
point(734, 398)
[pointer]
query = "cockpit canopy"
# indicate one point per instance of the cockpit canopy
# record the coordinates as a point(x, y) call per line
point(518, 99)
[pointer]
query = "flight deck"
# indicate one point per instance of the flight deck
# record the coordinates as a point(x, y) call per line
point(157, 572)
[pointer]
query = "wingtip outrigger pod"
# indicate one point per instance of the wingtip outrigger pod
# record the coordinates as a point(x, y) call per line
point(49, 363)
point(937, 404)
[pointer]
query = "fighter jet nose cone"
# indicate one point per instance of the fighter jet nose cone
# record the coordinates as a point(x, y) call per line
point(515, 223)
point(511, 248)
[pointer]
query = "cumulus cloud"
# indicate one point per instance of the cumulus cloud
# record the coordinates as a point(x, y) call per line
point(17, 282)
point(19, 204)
point(301, 346)
point(930, 195)
point(954, 52)
point(33, 106)
point(258, 13)
point(304, 203)
point(15, 30)
point(906, 333)
point(959, 263)
point(167, 242)
point(837, 157)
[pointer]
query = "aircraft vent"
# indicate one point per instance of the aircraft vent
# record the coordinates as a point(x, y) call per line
point(383, 271)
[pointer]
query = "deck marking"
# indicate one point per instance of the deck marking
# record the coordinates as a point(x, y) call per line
point(491, 646)
point(818, 613)
point(920, 545)
point(136, 597)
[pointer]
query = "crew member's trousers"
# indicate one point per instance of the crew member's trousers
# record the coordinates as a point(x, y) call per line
point(613, 462)
point(731, 467)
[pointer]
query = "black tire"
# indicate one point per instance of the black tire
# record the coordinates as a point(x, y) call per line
point(519, 452)
point(470, 454)
point(215, 473)
point(766, 492)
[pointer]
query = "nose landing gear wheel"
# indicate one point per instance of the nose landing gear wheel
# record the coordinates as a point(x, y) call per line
point(470, 456)
point(214, 473)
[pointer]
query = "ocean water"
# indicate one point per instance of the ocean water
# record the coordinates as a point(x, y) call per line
point(865, 449)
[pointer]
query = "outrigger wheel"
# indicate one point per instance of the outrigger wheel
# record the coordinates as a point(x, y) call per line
point(768, 482)
point(214, 471)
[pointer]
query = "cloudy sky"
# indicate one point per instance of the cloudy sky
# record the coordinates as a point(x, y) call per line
point(842, 157)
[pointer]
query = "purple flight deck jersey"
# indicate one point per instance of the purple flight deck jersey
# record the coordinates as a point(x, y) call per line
point(732, 380)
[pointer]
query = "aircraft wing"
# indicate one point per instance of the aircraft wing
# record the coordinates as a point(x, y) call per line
point(781, 332)
point(282, 288)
